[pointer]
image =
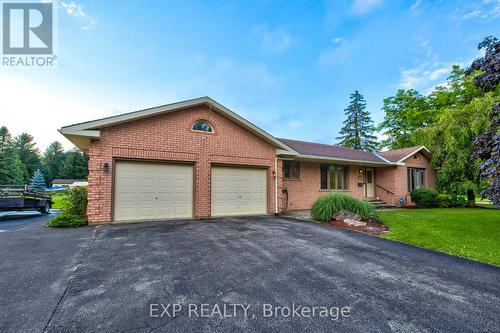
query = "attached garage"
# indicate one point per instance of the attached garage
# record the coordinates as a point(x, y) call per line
point(152, 191)
point(238, 191)
point(191, 159)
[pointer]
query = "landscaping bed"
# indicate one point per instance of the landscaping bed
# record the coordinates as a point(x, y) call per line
point(370, 227)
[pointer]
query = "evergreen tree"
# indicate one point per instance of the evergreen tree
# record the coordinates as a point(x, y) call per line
point(53, 158)
point(28, 154)
point(10, 165)
point(38, 182)
point(358, 129)
point(75, 165)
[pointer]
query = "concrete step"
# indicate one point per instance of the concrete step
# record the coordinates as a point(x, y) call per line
point(379, 204)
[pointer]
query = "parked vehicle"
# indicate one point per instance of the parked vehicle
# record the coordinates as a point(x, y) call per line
point(15, 197)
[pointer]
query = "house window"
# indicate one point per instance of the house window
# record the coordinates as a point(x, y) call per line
point(291, 169)
point(202, 126)
point(333, 177)
point(415, 179)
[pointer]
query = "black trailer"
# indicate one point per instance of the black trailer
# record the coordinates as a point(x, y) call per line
point(22, 198)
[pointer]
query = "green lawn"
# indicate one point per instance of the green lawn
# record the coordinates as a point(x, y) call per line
point(472, 233)
point(59, 199)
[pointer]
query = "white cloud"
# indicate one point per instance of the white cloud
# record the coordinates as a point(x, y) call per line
point(76, 11)
point(73, 9)
point(360, 7)
point(415, 5)
point(488, 9)
point(338, 40)
point(424, 75)
point(474, 13)
point(273, 40)
point(294, 123)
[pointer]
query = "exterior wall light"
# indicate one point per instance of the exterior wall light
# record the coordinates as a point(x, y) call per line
point(105, 167)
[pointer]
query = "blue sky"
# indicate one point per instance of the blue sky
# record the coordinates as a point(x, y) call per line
point(289, 67)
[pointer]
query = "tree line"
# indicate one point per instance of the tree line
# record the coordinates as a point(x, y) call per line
point(458, 121)
point(20, 159)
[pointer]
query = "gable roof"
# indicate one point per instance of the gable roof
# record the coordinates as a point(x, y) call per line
point(80, 134)
point(399, 155)
point(310, 149)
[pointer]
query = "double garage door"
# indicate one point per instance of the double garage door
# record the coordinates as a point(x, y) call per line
point(155, 191)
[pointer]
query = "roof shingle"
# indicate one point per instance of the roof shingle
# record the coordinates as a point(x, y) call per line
point(398, 154)
point(324, 150)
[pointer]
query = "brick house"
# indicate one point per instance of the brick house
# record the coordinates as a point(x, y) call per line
point(197, 159)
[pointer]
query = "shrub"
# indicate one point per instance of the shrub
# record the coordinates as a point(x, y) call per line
point(424, 197)
point(458, 201)
point(443, 201)
point(77, 202)
point(65, 220)
point(328, 205)
point(450, 200)
point(74, 211)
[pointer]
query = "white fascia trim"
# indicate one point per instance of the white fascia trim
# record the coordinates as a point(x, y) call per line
point(135, 115)
point(96, 124)
point(342, 160)
point(94, 134)
point(289, 152)
point(382, 158)
point(413, 153)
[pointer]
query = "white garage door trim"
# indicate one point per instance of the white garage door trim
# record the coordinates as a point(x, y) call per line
point(238, 191)
point(145, 191)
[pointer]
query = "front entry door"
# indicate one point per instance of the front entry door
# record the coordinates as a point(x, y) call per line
point(370, 183)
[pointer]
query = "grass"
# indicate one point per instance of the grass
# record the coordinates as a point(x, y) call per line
point(326, 206)
point(472, 233)
point(59, 199)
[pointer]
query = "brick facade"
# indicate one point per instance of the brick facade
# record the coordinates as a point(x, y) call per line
point(302, 193)
point(390, 183)
point(168, 137)
point(422, 162)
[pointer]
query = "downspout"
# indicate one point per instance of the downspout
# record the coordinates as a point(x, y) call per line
point(276, 186)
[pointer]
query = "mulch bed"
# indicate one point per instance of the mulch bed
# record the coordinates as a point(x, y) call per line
point(372, 227)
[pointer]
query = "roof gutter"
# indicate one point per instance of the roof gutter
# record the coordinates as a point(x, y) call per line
point(413, 153)
point(343, 160)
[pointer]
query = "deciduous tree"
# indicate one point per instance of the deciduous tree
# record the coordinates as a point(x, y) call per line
point(405, 113)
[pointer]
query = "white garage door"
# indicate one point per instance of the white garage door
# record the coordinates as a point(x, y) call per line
point(238, 191)
point(152, 191)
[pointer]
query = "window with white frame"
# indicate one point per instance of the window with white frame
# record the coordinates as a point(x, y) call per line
point(202, 126)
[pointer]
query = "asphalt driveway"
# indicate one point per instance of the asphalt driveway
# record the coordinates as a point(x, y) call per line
point(122, 277)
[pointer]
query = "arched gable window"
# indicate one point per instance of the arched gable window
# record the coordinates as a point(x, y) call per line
point(202, 126)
